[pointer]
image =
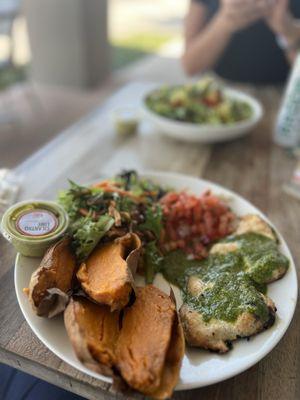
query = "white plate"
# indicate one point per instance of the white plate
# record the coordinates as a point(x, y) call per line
point(207, 133)
point(200, 368)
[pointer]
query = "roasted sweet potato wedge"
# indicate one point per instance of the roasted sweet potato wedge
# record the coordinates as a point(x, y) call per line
point(107, 275)
point(93, 331)
point(151, 345)
point(52, 281)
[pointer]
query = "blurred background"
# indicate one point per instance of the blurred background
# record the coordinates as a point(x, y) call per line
point(61, 58)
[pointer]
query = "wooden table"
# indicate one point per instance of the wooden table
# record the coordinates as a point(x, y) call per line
point(252, 166)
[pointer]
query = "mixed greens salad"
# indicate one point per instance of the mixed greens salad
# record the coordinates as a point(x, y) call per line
point(204, 102)
point(111, 209)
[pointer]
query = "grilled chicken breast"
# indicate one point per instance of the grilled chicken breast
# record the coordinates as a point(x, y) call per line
point(217, 334)
point(255, 224)
point(249, 223)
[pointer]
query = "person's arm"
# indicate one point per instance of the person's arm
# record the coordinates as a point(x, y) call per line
point(204, 44)
point(285, 26)
point(206, 41)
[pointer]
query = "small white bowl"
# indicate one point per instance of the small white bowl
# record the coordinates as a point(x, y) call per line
point(207, 133)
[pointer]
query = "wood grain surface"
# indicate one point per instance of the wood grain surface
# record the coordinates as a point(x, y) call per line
point(253, 167)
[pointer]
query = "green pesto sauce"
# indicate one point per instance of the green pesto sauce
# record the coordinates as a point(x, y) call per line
point(218, 264)
point(261, 256)
point(176, 268)
point(236, 279)
point(229, 296)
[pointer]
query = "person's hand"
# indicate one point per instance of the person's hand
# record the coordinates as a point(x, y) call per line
point(238, 14)
point(279, 18)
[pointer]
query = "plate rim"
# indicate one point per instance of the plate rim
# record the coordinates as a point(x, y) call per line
point(227, 375)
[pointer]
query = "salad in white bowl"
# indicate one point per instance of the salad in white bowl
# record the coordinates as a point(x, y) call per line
point(204, 111)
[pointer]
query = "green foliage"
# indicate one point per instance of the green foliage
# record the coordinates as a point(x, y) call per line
point(90, 219)
point(87, 233)
point(152, 261)
point(153, 220)
point(73, 199)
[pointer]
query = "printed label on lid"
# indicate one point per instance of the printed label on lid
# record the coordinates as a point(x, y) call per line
point(36, 223)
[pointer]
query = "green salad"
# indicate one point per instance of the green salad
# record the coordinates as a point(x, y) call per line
point(112, 208)
point(204, 102)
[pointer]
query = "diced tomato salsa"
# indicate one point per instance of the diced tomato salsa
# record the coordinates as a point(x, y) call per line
point(192, 222)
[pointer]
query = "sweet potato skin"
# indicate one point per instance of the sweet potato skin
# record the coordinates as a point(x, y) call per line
point(107, 275)
point(143, 353)
point(51, 282)
point(173, 362)
point(93, 331)
point(141, 347)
